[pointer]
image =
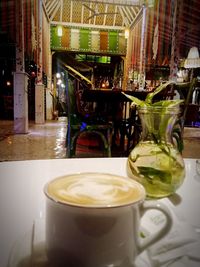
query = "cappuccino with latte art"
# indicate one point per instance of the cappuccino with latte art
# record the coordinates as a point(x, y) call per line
point(95, 190)
point(92, 220)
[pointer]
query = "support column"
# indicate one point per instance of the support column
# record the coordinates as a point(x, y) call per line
point(20, 103)
point(49, 100)
point(175, 41)
point(39, 88)
point(39, 104)
point(20, 77)
point(143, 49)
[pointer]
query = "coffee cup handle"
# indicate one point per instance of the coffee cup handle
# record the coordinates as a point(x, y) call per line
point(149, 205)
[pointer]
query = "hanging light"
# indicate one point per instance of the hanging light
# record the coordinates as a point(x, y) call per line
point(59, 31)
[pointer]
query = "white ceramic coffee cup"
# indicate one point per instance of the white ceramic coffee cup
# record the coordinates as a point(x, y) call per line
point(93, 220)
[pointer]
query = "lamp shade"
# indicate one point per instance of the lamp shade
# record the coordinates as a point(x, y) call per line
point(192, 60)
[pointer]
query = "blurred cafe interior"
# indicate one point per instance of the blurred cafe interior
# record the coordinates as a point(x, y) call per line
point(69, 70)
point(65, 63)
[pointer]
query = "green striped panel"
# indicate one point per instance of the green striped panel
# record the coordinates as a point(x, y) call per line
point(113, 41)
point(122, 44)
point(103, 41)
point(55, 39)
point(80, 39)
point(95, 41)
point(65, 39)
point(84, 39)
point(74, 41)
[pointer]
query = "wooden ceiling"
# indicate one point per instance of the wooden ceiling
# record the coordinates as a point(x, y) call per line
point(118, 14)
point(114, 14)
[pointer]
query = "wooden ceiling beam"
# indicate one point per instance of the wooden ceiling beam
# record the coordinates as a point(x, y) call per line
point(115, 2)
point(61, 10)
point(55, 8)
point(51, 6)
point(131, 15)
point(134, 11)
point(138, 17)
point(105, 16)
point(122, 14)
point(127, 15)
point(115, 15)
point(47, 4)
point(71, 12)
point(119, 28)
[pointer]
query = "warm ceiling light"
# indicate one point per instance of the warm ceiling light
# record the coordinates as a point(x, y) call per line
point(8, 83)
point(59, 31)
point(126, 33)
point(59, 81)
point(58, 75)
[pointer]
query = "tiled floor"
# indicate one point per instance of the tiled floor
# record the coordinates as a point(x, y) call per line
point(47, 141)
point(41, 142)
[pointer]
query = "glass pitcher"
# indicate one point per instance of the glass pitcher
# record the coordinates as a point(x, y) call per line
point(155, 161)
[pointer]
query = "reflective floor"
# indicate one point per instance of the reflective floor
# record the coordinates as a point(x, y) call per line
point(47, 141)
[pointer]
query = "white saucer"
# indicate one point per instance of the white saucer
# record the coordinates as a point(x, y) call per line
point(29, 251)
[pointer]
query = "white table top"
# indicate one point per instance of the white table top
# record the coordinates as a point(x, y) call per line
point(22, 200)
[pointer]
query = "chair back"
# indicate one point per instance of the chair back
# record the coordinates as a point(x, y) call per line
point(71, 99)
point(81, 120)
point(185, 91)
point(77, 108)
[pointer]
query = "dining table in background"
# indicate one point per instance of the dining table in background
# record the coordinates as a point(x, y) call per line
point(116, 107)
point(111, 95)
point(22, 209)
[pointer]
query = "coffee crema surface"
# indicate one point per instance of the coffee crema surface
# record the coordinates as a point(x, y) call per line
point(95, 190)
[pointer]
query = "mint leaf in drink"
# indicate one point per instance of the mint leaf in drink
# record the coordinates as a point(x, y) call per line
point(154, 174)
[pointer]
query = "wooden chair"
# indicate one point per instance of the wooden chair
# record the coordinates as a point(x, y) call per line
point(127, 128)
point(82, 120)
point(189, 111)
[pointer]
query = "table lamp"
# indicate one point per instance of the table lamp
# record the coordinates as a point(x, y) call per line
point(192, 61)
